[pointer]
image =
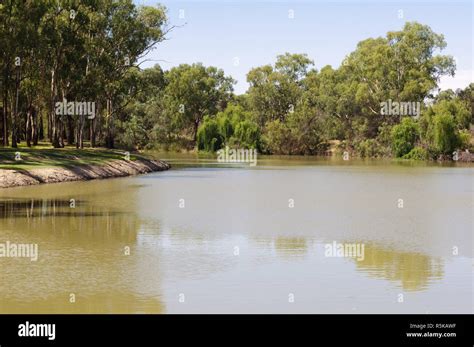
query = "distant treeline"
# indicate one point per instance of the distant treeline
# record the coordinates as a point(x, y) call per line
point(381, 101)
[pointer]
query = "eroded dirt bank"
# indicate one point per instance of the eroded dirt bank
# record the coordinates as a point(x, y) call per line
point(116, 168)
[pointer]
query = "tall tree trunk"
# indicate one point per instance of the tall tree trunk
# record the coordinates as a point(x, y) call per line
point(109, 137)
point(1, 124)
point(40, 128)
point(80, 132)
point(15, 133)
point(34, 120)
point(54, 136)
point(196, 127)
point(70, 130)
point(57, 125)
point(62, 131)
point(5, 117)
point(14, 128)
point(29, 125)
point(92, 132)
point(50, 127)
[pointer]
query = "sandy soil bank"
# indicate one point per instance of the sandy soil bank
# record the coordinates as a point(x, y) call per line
point(116, 168)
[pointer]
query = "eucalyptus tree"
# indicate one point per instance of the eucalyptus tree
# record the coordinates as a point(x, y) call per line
point(404, 66)
point(275, 90)
point(192, 92)
point(18, 39)
point(127, 34)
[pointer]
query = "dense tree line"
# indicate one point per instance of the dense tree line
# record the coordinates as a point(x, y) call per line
point(71, 51)
point(289, 108)
point(292, 108)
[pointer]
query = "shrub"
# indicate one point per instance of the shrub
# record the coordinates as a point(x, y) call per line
point(404, 136)
point(277, 138)
point(457, 109)
point(368, 148)
point(464, 139)
point(417, 153)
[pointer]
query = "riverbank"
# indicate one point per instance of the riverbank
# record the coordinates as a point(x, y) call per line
point(24, 167)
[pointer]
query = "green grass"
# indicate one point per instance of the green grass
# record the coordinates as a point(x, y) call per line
point(43, 156)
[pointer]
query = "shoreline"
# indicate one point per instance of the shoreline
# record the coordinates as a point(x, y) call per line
point(84, 172)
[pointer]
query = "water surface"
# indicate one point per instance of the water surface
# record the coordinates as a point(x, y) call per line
point(205, 237)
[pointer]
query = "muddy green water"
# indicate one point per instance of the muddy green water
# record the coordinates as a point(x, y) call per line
point(210, 238)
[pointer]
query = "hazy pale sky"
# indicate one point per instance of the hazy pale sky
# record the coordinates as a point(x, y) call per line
point(239, 35)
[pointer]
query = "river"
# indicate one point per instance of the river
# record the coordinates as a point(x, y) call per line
point(205, 237)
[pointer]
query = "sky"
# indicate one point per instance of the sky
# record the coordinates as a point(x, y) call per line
point(241, 34)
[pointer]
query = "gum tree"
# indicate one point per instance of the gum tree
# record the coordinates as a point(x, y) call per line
point(192, 92)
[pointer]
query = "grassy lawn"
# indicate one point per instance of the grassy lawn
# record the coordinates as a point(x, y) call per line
point(43, 156)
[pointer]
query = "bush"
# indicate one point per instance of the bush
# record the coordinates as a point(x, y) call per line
point(277, 138)
point(404, 136)
point(368, 148)
point(132, 134)
point(417, 153)
point(457, 109)
point(464, 139)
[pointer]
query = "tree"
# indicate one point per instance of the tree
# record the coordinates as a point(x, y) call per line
point(402, 67)
point(71, 50)
point(404, 136)
point(467, 96)
point(275, 90)
point(444, 134)
point(19, 40)
point(128, 34)
point(232, 127)
point(208, 137)
point(192, 92)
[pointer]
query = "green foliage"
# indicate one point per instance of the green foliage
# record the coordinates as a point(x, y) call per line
point(209, 138)
point(289, 108)
point(74, 50)
point(247, 135)
point(134, 135)
point(192, 92)
point(417, 153)
point(368, 148)
point(384, 140)
point(444, 134)
point(464, 139)
point(275, 90)
point(404, 136)
point(233, 127)
point(456, 108)
point(276, 138)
